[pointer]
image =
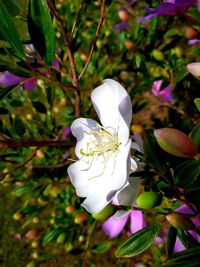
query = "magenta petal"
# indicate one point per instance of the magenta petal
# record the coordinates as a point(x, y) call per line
point(67, 131)
point(156, 87)
point(30, 84)
point(137, 221)
point(165, 94)
point(8, 79)
point(185, 209)
point(56, 63)
point(178, 246)
point(113, 227)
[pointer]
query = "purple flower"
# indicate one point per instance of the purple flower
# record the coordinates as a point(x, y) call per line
point(194, 42)
point(168, 8)
point(164, 94)
point(186, 210)
point(67, 131)
point(8, 79)
point(114, 226)
point(122, 26)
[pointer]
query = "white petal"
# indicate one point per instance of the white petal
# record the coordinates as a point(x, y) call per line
point(101, 178)
point(80, 127)
point(113, 106)
point(98, 201)
point(127, 195)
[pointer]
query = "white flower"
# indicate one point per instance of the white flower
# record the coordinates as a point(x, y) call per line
point(103, 150)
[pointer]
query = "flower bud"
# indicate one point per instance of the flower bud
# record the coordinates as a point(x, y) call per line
point(17, 216)
point(80, 218)
point(61, 238)
point(70, 209)
point(157, 54)
point(123, 15)
point(190, 33)
point(175, 142)
point(34, 244)
point(130, 45)
point(108, 211)
point(194, 69)
point(180, 221)
point(147, 200)
point(30, 264)
point(31, 234)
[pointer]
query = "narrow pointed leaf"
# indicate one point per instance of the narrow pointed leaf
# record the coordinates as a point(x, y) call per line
point(41, 30)
point(9, 32)
point(12, 7)
point(5, 91)
point(189, 258)
point(138, 242)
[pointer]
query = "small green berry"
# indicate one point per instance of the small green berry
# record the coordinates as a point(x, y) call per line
point(147, 200)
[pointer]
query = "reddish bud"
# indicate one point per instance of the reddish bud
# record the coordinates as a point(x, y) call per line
point(194, 69)
point(32, 234)
point(70, 209)
point(123, 15)
point(190, 33)
point(130, 45)
point(175, 142)
point(180, 221)
point(80, 218)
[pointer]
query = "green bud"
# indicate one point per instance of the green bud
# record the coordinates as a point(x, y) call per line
point(108, 211)
point(175, 142)
point(157, 54)
point(30, 264)
point(147, 200)
point(61, 238)
point(180, 221)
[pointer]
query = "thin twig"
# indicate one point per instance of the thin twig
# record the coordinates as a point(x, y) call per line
point(101, 20)
point(31, 143)
point(76, 19)
point(75, 80)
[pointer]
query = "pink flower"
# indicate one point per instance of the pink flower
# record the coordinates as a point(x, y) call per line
point(114, 226)
point(164, 94)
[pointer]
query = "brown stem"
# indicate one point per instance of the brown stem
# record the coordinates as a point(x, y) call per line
point(29, 143)
point(75, 80)
point(101, 20)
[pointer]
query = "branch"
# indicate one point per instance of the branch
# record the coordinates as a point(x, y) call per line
point(75, 80)
point(29, 143)
point(101, 20)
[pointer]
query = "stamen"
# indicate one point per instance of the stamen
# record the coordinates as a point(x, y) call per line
point(104, 142)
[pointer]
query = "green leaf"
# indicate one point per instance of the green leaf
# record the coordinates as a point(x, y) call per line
point(19, 127)
point(194, 13)
point(197, 103)
point(9, 32)
point(187, 172)
point(12, 7)
point(27, 188)
point(182, 72)
point(40, 107)
point(51, 236)
point(14, 68)
point(138, 242)
point(101, 248)
point(41, 30)
point(171, 240)
point(151, 150)
point(194, 135)
point(5, 91)
point(189, 258)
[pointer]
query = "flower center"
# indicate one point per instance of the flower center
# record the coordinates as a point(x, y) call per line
point(103, 140)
